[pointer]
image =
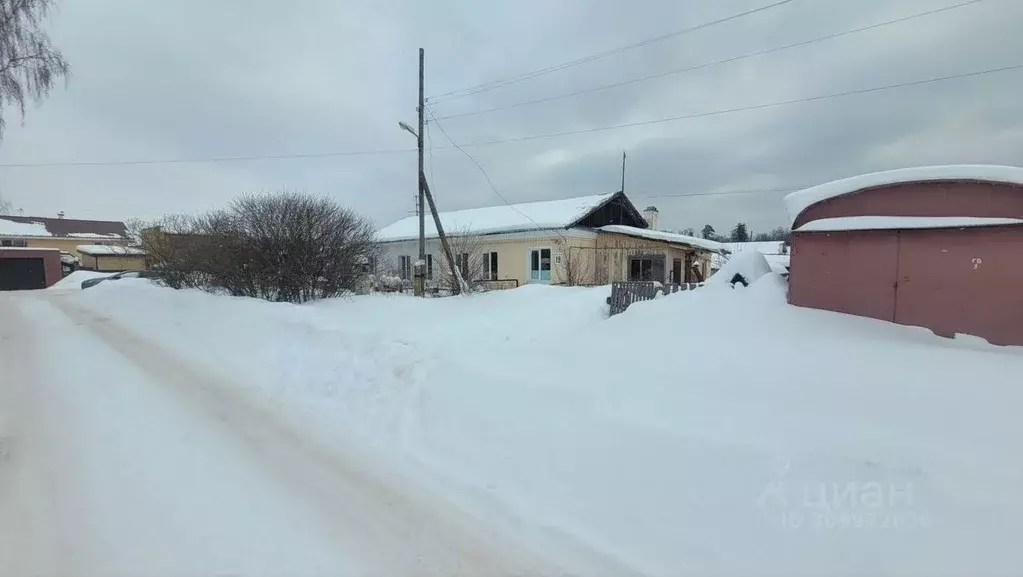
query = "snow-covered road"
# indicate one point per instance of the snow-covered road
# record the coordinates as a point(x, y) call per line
point(120, 458)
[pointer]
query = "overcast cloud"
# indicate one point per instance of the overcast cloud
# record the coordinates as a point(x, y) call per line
point(195, 78)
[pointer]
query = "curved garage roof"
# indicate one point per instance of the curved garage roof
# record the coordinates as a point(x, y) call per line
point(799, 201)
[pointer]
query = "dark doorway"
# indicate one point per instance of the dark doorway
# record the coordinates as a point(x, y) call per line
point(676, 271)
point(22, 274)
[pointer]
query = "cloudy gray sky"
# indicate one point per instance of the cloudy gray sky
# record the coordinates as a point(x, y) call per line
point(197, 79)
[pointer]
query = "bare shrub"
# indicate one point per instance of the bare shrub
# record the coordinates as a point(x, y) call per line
point(284, 247)
point(467, 248)
point(577, 263)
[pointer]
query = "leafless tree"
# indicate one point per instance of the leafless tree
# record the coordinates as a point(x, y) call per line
point(281, 247)
point(29, 64)
point(578, 264)
point(468, 249)
point(5, 205)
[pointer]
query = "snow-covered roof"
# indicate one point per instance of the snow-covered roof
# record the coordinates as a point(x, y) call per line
point(102, 249)
point(703, 243)
point(765, 247)
point(12, 228)
point(770, 249)
point(495, 219)
point(901, 222)
point(61, 227)
point(779, 262)
point(93, 235)
point(797, 202)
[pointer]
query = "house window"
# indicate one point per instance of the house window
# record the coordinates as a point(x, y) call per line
point(405, 267)
point(640, 268)
point(18, 242)
point(646, 268)
point(429, 266)
point(462, 262)
point(490, 266)
point(540, 264)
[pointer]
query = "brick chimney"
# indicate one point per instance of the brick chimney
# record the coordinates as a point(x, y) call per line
point(652, 217)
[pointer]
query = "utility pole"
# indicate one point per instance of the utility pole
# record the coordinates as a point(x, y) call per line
point(623, 171)
point(419, 288)
point(419, 284)
point(460, 284)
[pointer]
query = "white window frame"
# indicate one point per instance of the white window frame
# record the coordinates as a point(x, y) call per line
point(529, 264)
point(490, 272)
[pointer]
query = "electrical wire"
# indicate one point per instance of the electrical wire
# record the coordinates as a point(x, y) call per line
point(485, 175)
point(714, 63)
point(720, 112)
point(468, 91)
point(205, 159)
point(749, 108)
point(724, 192)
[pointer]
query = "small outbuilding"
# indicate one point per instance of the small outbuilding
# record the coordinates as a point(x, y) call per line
point(108, 258)
point(939, 247)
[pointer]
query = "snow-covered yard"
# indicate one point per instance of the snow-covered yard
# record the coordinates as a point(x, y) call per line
point(710, 432)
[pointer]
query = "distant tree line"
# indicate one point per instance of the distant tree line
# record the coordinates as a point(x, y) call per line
point(741, 233)
point(284, 247)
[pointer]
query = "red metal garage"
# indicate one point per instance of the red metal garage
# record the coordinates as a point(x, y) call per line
point(939, 247)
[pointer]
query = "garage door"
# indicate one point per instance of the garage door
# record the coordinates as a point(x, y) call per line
point(846, 272)
point(962, 281)
point(22, 274)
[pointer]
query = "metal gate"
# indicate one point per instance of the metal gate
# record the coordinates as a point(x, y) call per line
point(847, 272)
point(964, 280)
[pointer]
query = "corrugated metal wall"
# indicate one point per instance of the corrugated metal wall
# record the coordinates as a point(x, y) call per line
point(966, 280)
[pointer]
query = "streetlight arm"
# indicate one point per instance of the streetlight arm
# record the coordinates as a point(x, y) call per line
point(408, 129)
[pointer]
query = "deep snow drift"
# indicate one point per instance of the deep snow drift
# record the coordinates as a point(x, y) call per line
point(714, 432)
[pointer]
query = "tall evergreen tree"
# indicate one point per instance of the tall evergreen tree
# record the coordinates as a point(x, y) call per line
point(739, 233)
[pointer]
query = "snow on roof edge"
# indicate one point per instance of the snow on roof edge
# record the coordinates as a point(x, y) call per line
point(103, 249)
point(797, 202)
point(497, 219)
point(703, 243)
point(845, 223)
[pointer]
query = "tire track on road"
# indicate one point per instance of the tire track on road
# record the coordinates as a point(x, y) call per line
point(393, 525)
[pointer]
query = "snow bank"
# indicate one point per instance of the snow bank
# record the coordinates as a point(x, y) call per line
point(74, 280)
point(901, 222)
point(772, 250)
point(750, 264)
point(797, 202)
point(723, 432)
point(11, 228)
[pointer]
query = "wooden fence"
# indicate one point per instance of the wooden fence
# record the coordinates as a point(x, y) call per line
point(625, 293)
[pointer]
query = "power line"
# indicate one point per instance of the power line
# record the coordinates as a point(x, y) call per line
point(518, 139)
point(723, 192)
point(468, 91)
point(484, 172)
point(715, 63)
point(749, 108)
point(199, 160)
